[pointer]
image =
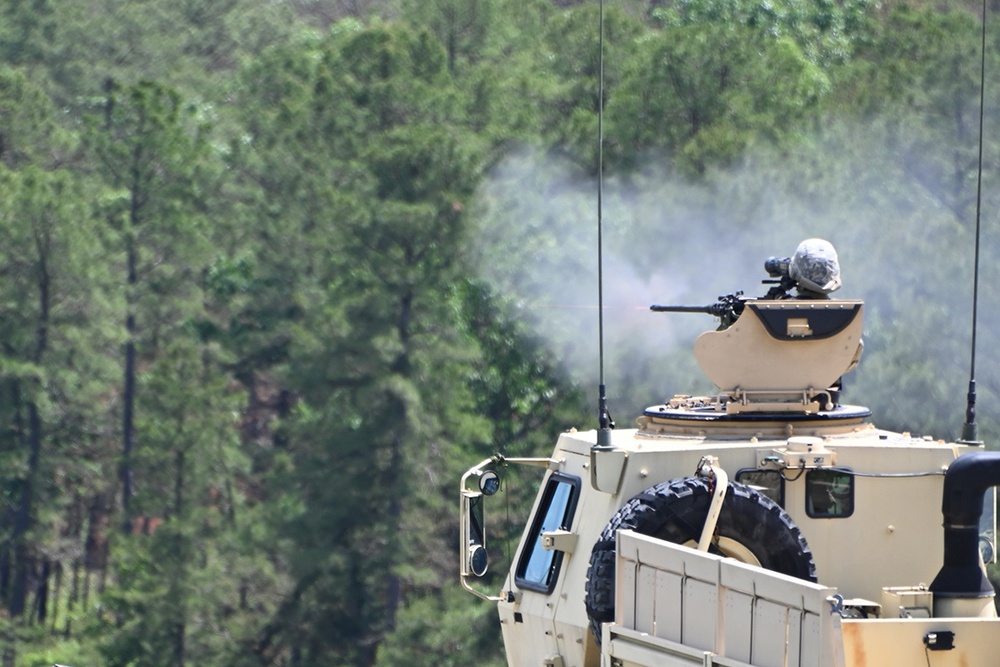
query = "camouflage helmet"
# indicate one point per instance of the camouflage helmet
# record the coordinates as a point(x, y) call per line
point(814, 267)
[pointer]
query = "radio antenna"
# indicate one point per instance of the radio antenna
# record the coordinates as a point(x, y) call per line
point(603, 416)
point(970, 432)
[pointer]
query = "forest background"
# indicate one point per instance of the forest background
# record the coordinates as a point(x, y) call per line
point(274, 273)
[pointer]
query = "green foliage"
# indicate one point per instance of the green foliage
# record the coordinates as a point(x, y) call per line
point(27, 31)
point(197, 563)
point(29, 129)
point(192, 46)
point(926, 92)
point(572, 48)
point(464, 627)
point(47, 652)
point(518, 387)
point(825, 31)
point(462, 26)
point(52, 337)
point(706, 93)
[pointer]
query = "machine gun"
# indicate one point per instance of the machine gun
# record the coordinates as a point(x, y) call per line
point(730, 306)
point(727, 309)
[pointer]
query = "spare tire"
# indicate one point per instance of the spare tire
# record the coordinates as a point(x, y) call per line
point(752, 528)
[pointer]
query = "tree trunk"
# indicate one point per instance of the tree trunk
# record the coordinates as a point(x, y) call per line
point(128, 399)
point(23, 560)
point(179, 645)
point(42, 592)
point(402, 366)
point(56, 595)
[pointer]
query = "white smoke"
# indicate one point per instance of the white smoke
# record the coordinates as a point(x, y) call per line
point(667, 241)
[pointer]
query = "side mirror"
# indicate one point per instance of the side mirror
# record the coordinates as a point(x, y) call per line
point(489, 482)
point(475, 560)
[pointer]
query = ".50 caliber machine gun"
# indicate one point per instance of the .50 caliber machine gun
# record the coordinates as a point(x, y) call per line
point(727, 309)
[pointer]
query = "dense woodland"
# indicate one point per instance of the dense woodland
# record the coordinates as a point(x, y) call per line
point(273, 274)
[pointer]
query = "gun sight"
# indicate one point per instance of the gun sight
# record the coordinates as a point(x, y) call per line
point(777, 267)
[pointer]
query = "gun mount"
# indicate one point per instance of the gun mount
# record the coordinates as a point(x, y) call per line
point(782, 352)
point(779, 355)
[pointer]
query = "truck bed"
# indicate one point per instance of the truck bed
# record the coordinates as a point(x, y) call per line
point(677, 607)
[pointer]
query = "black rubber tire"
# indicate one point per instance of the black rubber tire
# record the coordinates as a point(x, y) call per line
point(675, 511)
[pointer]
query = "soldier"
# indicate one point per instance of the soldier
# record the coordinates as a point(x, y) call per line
point(815, 269)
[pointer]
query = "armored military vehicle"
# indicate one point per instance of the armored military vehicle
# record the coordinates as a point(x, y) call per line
point(766, 525)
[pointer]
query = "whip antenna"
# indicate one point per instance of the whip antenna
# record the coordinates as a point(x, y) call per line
point(970, 432)
point(604, 416)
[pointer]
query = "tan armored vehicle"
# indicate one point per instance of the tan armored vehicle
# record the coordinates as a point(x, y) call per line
point(768, 525)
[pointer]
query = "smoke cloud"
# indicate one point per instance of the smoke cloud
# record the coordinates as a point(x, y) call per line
point(903, 248)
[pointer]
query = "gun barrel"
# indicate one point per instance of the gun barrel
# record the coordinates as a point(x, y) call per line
point(683, 309)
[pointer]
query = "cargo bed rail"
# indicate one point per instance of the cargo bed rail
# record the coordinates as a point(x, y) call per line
point(678, 606)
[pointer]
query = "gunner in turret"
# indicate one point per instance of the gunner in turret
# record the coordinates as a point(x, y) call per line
point(815, 269)
point(813, 272)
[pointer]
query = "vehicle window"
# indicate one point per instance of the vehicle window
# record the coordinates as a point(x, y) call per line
point(768, 482)
point(538, 568)
point(829, 494)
